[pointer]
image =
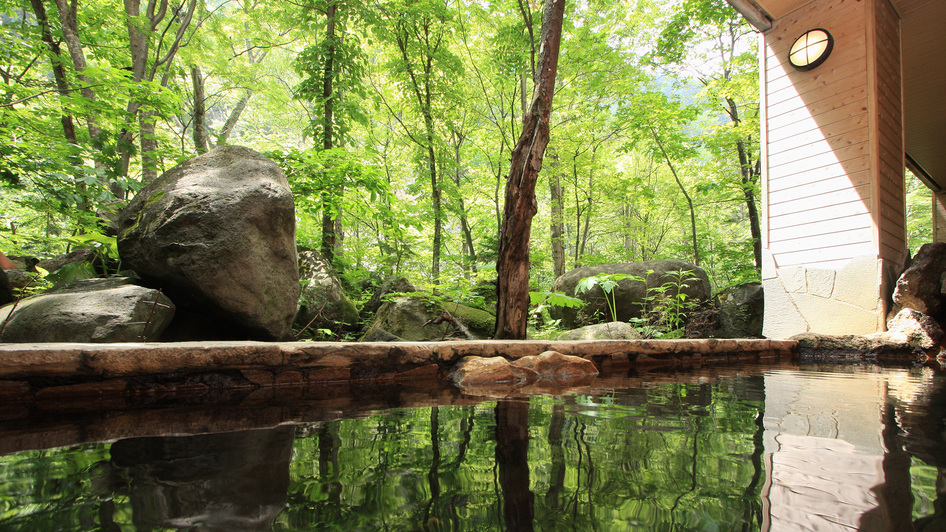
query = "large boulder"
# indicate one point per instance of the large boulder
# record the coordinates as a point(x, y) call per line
point(739, 314)
point(413, 319)
point(323, 304)
point(629, 295)
point(93, 310)
point(920, 287)
point(217, 233)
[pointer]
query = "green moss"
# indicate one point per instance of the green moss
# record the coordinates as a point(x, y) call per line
point(480, 322)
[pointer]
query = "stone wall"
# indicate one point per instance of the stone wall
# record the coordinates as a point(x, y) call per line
point(847, 300)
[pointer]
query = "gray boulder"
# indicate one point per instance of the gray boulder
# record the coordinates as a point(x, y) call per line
point(615, 330)
point(739, 313)
point(920, 287)
point(6, 291)
point(629, 294)
point(217, 233)
point(392, 284)
point(97, 310)
point(322, 304)
point(410, 318)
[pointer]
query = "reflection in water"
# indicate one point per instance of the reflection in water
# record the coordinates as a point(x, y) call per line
point(780, 450)
point(231, 481)
point(512, 457)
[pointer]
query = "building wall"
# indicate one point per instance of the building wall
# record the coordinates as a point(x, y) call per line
point(939, 217)
point(833, 197)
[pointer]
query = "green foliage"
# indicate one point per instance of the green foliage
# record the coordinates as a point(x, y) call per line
point(607, 282)
point(665, 307)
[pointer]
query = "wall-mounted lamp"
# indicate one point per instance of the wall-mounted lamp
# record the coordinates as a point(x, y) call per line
point(811, 49)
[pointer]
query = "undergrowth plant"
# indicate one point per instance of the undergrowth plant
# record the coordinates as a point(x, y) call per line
point(665, 307)
point(608, 282)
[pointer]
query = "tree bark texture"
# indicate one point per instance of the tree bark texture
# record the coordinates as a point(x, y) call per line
point(329, 198)
point(200, 111)
point(557, 230)
point(512, 266)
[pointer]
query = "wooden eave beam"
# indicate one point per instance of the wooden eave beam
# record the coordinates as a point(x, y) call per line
point(753, 14)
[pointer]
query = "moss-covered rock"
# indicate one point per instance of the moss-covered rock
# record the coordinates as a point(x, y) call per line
point(410, 318)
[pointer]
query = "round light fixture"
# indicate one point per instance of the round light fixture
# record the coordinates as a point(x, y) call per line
point(811, 49)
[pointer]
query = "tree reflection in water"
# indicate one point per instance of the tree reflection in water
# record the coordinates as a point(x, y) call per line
point(664, 454)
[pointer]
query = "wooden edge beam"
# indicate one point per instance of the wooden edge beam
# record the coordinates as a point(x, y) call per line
point(753, 14)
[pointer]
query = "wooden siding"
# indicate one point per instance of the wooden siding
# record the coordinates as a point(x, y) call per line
point(887, 131)
point(817, 136)
point(939, 217)
point(833, 187)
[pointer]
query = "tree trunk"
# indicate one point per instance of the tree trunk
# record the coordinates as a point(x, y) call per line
point(200, 111)
point(512, 266)
point(749, 178)
point(468, 249)
point(59, 74)
point(224, 135)
point(70, 34)
point(329, 197)
point(696, 247)
point(558, 221)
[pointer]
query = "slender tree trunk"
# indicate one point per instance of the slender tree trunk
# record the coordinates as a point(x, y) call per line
point(673, 170)
point(329, 197)
point(512, 266)
point(200, 111)
point(59, 74)
point(468, 249)
point(224, 136)
point(589, 199)
point(749, 178)
point(70, 34)
point(558, 222)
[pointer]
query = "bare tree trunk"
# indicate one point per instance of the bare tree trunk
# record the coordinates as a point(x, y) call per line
point(512, 266)
point(62, 84)
point(200, 111)
point(468, 249)
point(329, 197)
point(232, 120)
point(673, 170)
point(558, 222)
point(70, 34)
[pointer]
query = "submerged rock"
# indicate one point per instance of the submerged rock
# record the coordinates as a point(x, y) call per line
point(222, 481)
point(217, 233)
point(97, 310)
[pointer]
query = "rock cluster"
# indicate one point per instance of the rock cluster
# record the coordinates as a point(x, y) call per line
point(212, 246)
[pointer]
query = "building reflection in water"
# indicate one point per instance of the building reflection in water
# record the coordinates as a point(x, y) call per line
point(838, 448)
